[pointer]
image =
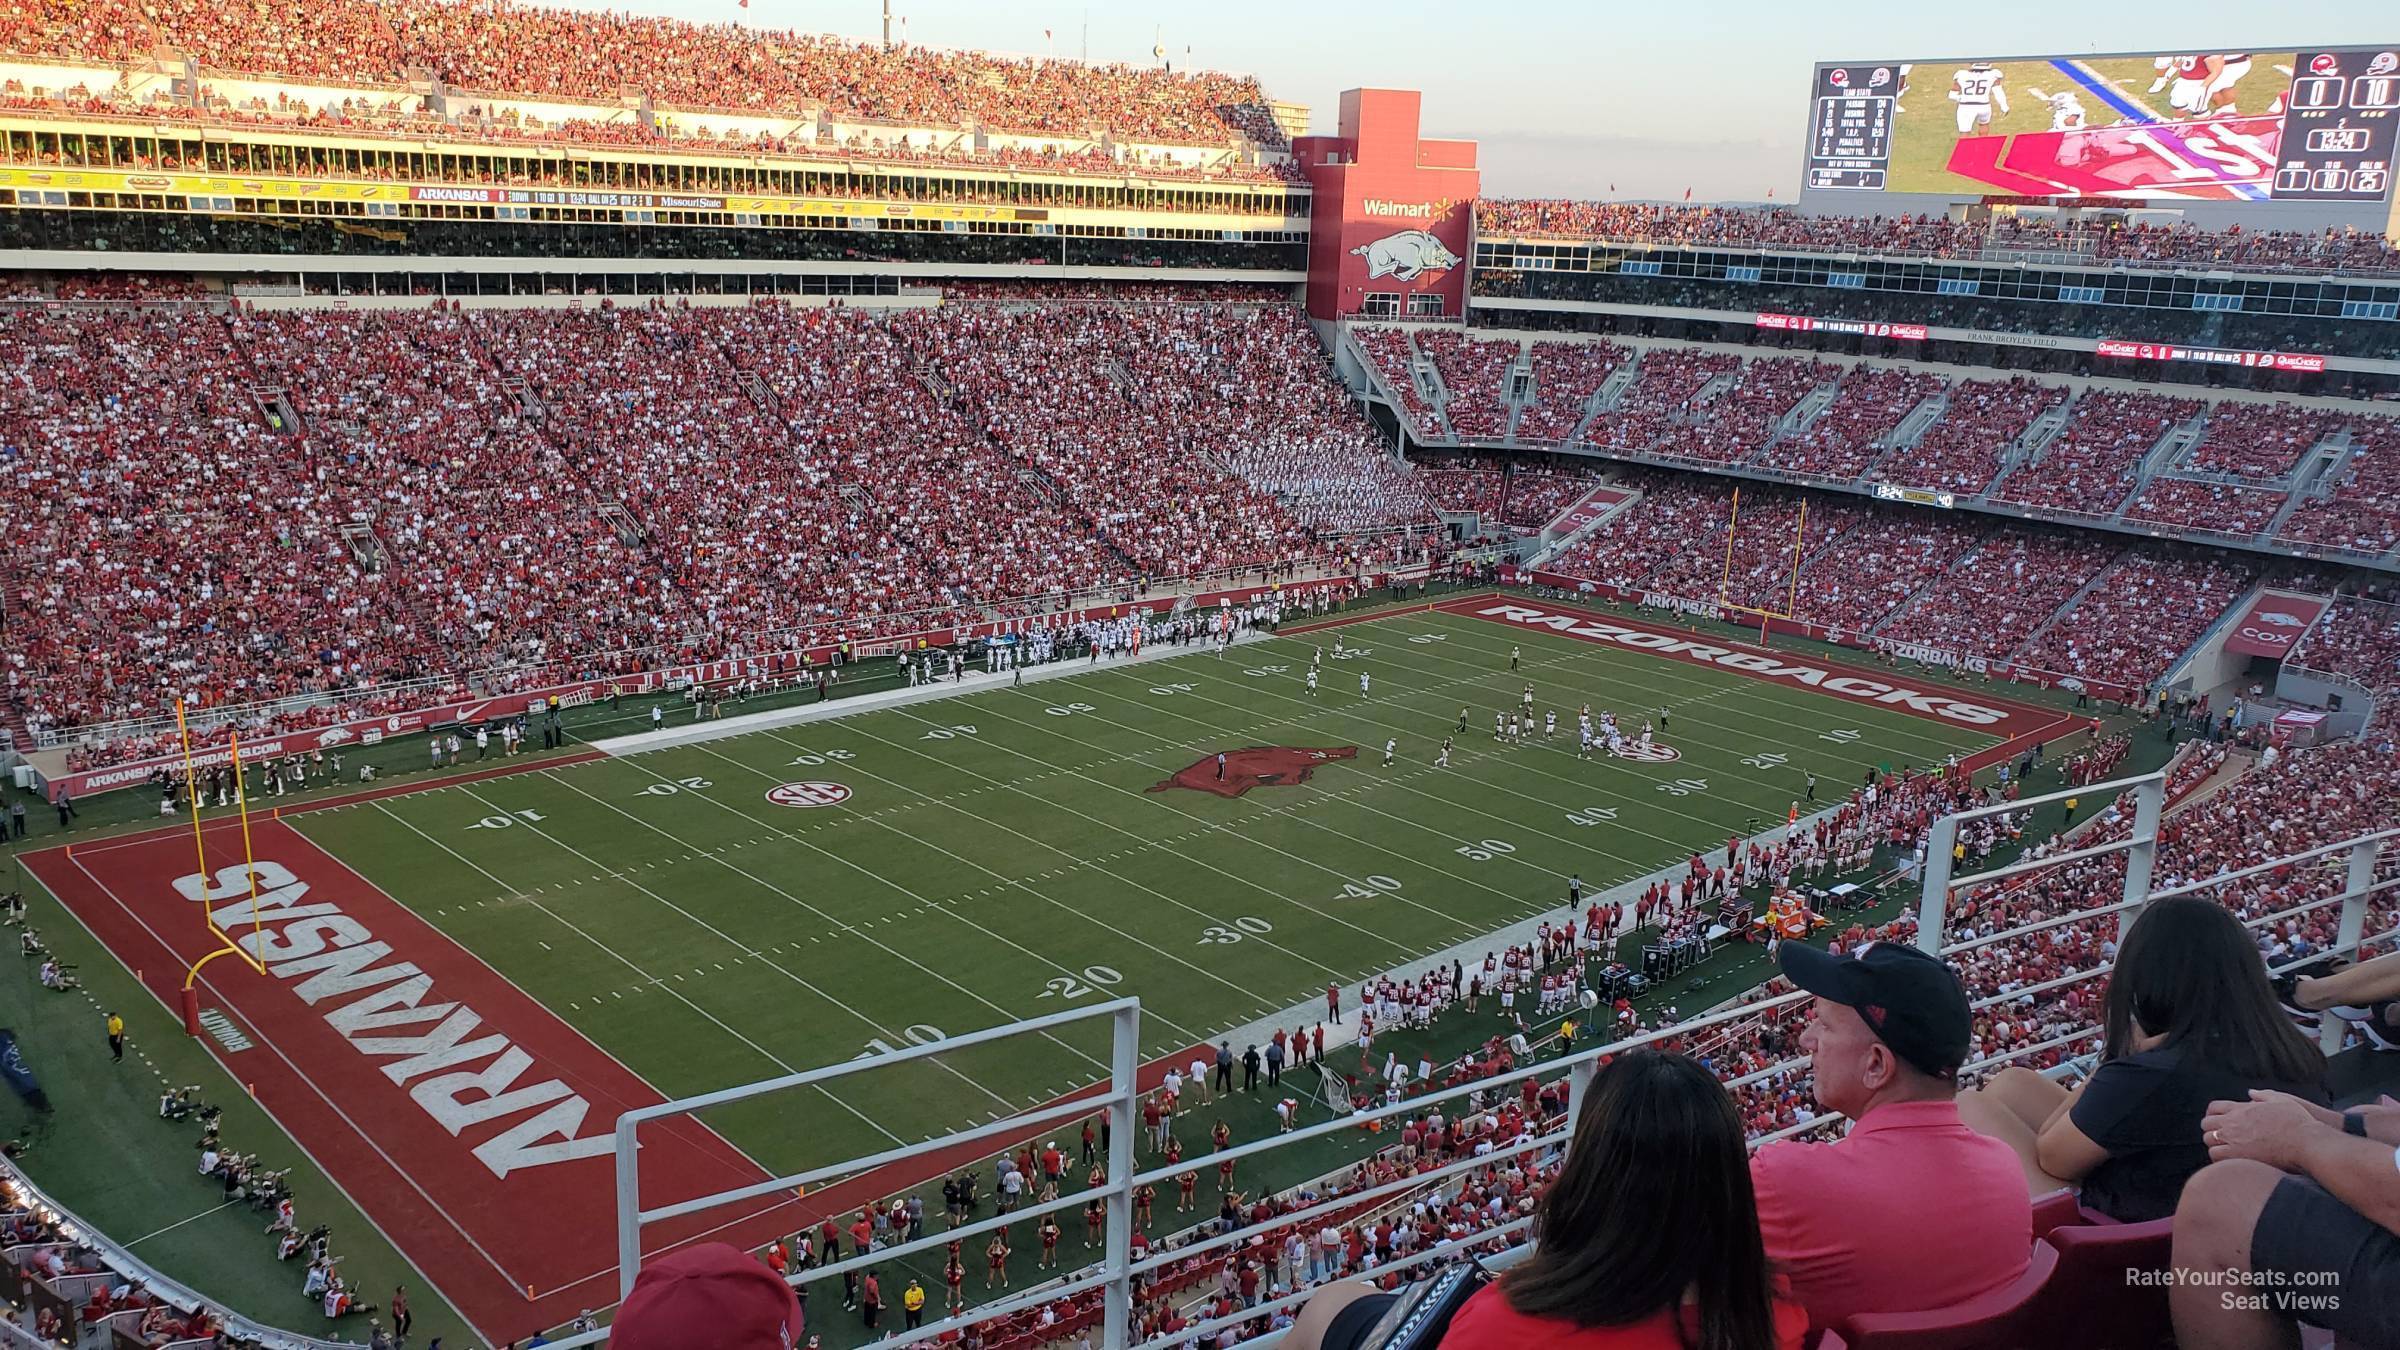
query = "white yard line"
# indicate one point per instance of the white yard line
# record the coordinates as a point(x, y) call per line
point(847, 928)
point(770, 1056)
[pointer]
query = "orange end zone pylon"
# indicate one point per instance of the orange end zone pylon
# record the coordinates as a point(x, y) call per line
point(226, 944)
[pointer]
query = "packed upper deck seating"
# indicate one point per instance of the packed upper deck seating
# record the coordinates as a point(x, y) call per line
point(1846, 437)
point(1475, 375)
point(1937, 236)
point(1565, 376)
point(1733, 424)
point(2089, 467)
point(1964, 451)
point(2362, 509)
point(1661, 395)
point(496, 47)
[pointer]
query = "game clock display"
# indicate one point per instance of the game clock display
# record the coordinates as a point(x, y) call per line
point(2338, 126)
point(2312, 125)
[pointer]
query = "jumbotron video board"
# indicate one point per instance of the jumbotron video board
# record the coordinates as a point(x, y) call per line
point(2313, 125)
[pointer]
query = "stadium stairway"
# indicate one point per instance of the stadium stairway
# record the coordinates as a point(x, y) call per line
point(1907, 431)
point(2028, 446)
point(2101, 575)
point(1960, 563)
point(2171, 448)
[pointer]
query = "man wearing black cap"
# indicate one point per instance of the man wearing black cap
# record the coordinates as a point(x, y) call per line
point(1911, 1211)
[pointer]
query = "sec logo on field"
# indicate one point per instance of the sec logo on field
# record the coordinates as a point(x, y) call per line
point(808, 794)
point(1653, 753)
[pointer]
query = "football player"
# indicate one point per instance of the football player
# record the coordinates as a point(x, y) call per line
point(1977, 90)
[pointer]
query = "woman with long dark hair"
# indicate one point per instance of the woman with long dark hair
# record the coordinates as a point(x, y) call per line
point(1647, 1240)
point(2190, 1018)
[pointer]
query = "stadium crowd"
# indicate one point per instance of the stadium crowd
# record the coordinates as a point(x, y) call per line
point(2089, 466)
point(1848, 436)
point(1937, 236)
point(498, 47)
point(1734, 423)
point(1475, 376)
point(242, 507)
point(1965, 450)
point(1565, 377)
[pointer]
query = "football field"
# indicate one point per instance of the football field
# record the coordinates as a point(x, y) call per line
point(466, 983)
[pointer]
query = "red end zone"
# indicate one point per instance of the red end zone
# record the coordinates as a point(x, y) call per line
point(471, 1124)
point(2015, 724)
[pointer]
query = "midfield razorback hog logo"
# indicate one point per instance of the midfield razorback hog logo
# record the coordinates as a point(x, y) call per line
point(1258, 766)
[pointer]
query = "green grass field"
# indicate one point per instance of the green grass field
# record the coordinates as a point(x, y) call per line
point(1003, 856)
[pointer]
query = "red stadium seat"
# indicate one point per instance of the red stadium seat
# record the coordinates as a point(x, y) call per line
point(2000, 1320)
point(2095, 1300)
point(2056, 1210)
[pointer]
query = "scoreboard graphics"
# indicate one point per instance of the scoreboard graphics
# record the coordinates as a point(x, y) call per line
point(2313, 124)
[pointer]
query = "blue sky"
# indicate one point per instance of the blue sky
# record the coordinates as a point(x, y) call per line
point(1569, 98)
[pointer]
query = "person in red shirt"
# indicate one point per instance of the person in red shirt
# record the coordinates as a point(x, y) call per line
point(1649, 1234)
point(1846, 1221)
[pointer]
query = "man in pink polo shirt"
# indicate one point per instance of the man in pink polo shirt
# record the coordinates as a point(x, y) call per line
point(1911, 1211)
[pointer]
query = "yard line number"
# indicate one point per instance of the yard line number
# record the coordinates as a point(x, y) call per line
point(1366, 888)
point(916, 1034)
point(1592, 815)
point(813, 760)
point(503, 822)
point(1095, 978)
point(1217, 934)
point(950, 732)
point(1484, 850)
point(669, 787)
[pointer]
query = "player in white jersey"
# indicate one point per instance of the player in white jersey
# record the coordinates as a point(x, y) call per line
point(1512, 726)
point(2066, 110)
point(1550, 723)
point(1391, 746)
point(1977, 90)
point(1499, 725)
point(1586, 751)
point(1442, 760)
point(1363, 677)
point(1317, 660)
point(1312, 679)
point(1337, 647)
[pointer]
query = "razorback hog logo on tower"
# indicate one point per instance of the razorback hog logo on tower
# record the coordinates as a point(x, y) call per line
point(1258, 766)
point(1406, 255)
